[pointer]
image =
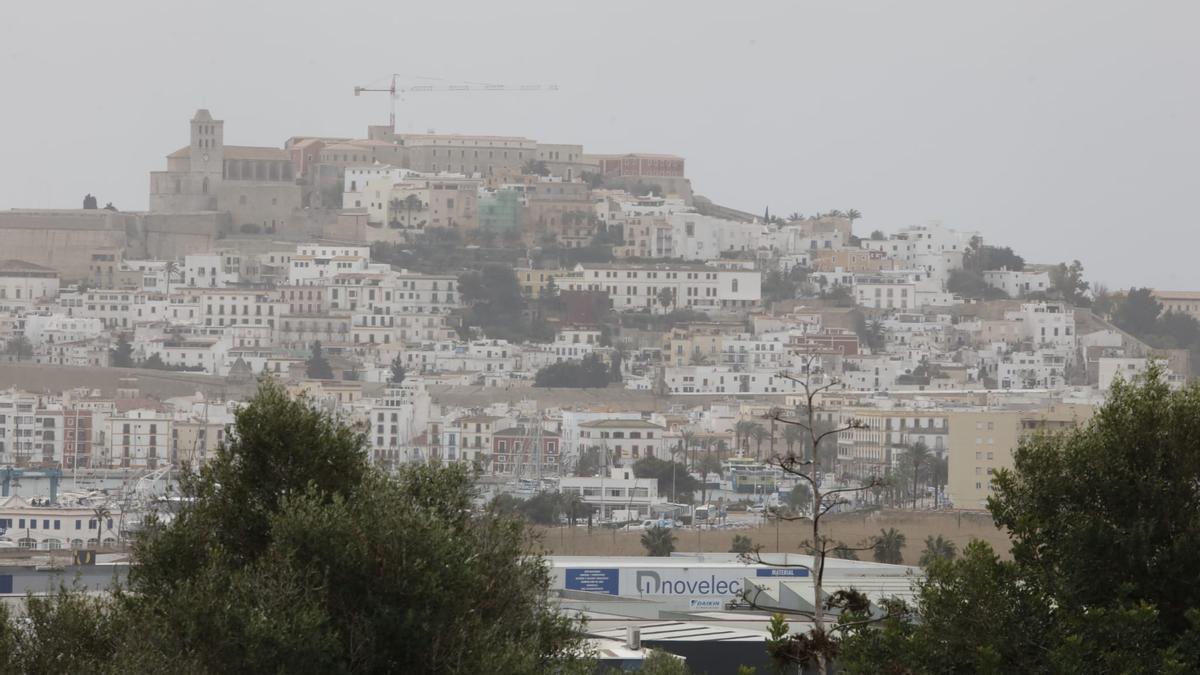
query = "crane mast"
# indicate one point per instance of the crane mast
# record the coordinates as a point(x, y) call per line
point(395, 90)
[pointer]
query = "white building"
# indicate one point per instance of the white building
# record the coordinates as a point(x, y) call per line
point(699, 237)
point(1018, 283)
point(24, 283)
point(210, 270)
point(699, 287)
point(139, 439)
point(395, 419)
point(50, 528)
point(624, 441)
point(616, 490)
point(725, 380)
point(1129, 369)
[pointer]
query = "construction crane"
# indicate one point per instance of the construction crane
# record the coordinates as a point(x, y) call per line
point(395, 91)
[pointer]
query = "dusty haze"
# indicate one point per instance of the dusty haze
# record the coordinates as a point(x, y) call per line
point(1064, 129)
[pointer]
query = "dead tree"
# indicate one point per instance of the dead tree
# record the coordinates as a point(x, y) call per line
point(820, 644)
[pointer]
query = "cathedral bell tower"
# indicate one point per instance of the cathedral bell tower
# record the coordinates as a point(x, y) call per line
point(207, 152)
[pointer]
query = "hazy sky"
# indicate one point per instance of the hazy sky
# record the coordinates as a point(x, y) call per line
point(1064, 129)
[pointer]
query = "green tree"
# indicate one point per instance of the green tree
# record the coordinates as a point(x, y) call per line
point(844, 551)
point(102, 514)
point(710, 462)
point(121, 356)
point(292, 555)
point(589, 462)
point(1098, 518)
point(666, 297)
point(791, 436)
point(1067, 282)
point(658, 541)
point(878, 235)
point(853, 215)
point(937, 548)
point(543, 508)
point(800, 498)
point(535, 167)
point(590, 372)
point(917, 457)
point(741, 544)
point(759, 433)
point(662, 662)
point(888, 546)
point(672, 478)
point(19, 347)
point(495, 302)
point(317, 367)
point(398, 372)
point(1138, 311)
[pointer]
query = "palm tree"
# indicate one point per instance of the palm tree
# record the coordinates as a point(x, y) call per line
point(658, 541)
point(394, 206)
point(171, 268)
point(918, 457)
point(741, 433)
point(835, 214)
point(709, 463)
point(102, 514)
point(888, 545)
point(411, 202)
point(759, 433)
point(853, 215)
point(791, 436)
point(688, 439)
point(722, 448)
point(939, 472)
point(937, 548)
point(841, 550)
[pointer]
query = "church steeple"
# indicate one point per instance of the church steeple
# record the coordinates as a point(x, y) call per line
point(207, 145)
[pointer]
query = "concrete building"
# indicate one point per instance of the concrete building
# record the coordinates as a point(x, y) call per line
point(24, 283)
point(484, 156)
point(982, 442)
point(255, 185)
point(1185, 302)
point(624, 441)
point(616, 490)
point(138, 438)
point(644, 287)
point(1018, 283)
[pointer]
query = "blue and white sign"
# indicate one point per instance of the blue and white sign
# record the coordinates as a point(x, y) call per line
point(705, 603)
point(594, 580)
point(782, 572)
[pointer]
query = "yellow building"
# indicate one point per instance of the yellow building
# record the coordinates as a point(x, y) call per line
point(983, 441)
point(695, 344)
point(195, 440)
point(534, 282)
point(1184, 302)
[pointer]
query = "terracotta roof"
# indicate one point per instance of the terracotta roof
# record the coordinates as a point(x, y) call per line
point(1176, 295)
point(240, 152)
point(522, 431)
point(13, 265)
point(621, 424)
point(254, 152)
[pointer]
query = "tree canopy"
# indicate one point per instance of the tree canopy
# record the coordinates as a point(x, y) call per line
point(1103, 521)
point(666, 473)
point(292, 555)
point(586, 373)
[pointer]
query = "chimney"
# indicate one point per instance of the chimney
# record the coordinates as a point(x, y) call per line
point(633, 637)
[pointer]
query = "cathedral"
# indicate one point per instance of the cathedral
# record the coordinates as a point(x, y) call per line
point(257, 186)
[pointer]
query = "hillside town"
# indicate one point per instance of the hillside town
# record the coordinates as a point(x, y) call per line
point(549, 317)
